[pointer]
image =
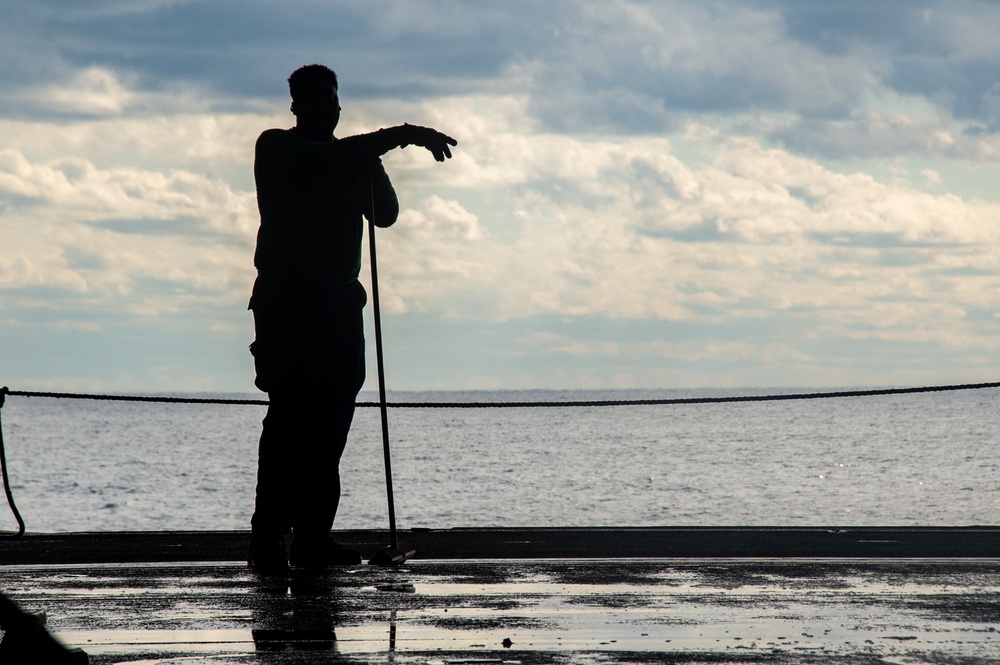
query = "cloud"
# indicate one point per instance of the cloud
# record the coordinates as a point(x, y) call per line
point(632, 67)
point(939, 50)
point(628, 230)
point(878, 134)
point(92, 91)
point(69, 225)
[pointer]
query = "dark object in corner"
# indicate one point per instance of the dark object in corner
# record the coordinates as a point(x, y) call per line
point(24, 640)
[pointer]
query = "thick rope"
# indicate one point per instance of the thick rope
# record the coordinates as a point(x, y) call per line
point(531, 404)
point(6, 480)
point(135, 398)
point(693, 400)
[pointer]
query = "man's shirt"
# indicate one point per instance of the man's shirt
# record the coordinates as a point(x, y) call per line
point(312, 199)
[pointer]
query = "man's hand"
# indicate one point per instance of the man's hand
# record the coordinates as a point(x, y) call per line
point(425, 137)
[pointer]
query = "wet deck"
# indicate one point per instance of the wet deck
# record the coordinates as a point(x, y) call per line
point(503, 605)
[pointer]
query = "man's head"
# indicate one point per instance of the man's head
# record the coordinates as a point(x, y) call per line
point(312, 81)
point(314, 96)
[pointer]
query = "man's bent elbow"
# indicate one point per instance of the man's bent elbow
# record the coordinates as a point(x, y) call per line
point(387, 214)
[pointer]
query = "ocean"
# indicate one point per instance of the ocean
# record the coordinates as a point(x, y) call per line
point(909, 460)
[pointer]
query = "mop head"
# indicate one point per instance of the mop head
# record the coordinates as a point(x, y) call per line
point(392, 556)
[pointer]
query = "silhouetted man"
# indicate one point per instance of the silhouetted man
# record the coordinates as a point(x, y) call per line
point(312, 191)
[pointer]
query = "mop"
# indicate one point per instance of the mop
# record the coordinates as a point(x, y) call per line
point(397, 552)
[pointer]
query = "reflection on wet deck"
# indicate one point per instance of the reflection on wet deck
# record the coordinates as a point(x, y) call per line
point(528, 611)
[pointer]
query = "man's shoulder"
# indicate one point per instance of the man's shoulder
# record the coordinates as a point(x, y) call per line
point(277, 131)
point(273, 135)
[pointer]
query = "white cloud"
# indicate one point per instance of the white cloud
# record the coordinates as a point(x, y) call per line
point(70, 225)
point(92, 90)
point(206, 143)
point(628, 230)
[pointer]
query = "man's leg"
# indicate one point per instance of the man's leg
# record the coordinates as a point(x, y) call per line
point(280, 432)
point(317, 479)
point(318, 476)
point(275, 326)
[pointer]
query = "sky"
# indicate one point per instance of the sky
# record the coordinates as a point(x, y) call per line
point(668, 194)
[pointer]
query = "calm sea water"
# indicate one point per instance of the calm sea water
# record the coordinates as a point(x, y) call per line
point(928, 459)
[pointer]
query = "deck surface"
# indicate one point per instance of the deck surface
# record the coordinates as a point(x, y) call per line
point(628, 609)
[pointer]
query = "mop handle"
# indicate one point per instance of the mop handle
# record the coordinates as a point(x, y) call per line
point(381, 374)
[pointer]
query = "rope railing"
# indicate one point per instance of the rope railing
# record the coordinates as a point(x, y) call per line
point(134, 398)
point(526, 404)
point(3, 471)
point(4, 392)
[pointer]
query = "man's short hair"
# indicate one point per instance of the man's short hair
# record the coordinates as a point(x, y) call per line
point(311, 81)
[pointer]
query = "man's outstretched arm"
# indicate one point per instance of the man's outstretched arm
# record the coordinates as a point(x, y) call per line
point(378, 143)
point(279, 147)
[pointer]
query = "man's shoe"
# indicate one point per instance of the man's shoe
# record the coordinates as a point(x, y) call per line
point(322, 552)
point(267, 554)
